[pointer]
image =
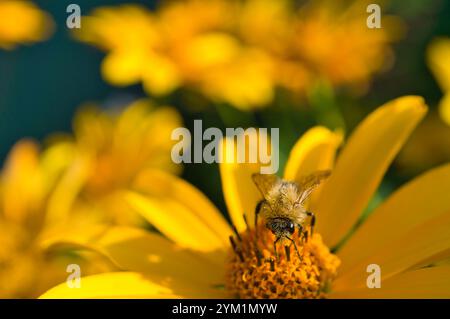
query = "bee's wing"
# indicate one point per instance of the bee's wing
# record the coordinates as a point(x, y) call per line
point(265, 182)
point(309, 182)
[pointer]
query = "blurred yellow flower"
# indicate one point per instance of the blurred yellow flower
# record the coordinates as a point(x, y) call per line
point(333, 39)
point(237, 52)
point(438, 57)
point(28, 266)
point(407, 235)
point(109, 149)
point(22, 22)
point(71, 188)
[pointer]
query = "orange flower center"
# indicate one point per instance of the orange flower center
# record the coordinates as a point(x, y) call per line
point(254, 271)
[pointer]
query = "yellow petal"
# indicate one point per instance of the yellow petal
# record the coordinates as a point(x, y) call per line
point(68, 234)
point(160, 75)
point(315, 150)
point(160, 184)
point(422, 242)
point(240, 193)
point(123, 67)
point(22, 183)
point(175, 221)
point(209, 49)
point(66, 191)
point(157, 258)
point(438, 57)
point(418, 201)
point(444, 259)
point(432, 282)
point(246, 83)
point(137, 250)
point(111, 285)
point(179, 211)
point(362, 164)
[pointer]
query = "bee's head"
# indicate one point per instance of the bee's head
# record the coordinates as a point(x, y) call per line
point(281, 226)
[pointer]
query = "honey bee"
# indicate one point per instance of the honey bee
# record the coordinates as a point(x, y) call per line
point(283, 205)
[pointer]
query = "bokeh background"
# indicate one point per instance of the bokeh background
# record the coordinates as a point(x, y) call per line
point(42, 85)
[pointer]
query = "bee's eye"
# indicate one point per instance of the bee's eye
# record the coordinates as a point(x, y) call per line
point(291, 228)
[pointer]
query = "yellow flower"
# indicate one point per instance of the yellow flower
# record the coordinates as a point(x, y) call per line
point(28, 266)
point(333, 39)
point(22, 22)
point(237, 52)
point(185, 42)
point(406, 236)
point(71, 188)
point(109, 149)
point(438, 57)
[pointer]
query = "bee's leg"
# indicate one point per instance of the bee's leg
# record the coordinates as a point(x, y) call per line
point(295, 247)
point(313, 221)
point(275, 247)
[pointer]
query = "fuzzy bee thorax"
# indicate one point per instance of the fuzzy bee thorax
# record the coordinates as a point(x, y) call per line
point(283, 201)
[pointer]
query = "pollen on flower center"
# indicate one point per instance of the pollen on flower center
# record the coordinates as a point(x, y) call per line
point(253, 271)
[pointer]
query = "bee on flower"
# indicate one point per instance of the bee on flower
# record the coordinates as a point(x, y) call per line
point(406, 235)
